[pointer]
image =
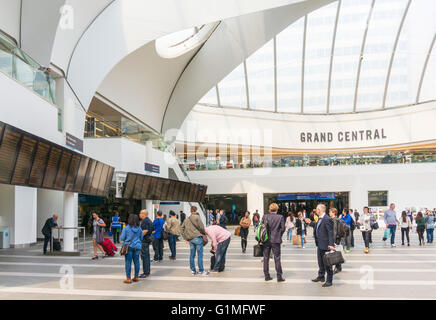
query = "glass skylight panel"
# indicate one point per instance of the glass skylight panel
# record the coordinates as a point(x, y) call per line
point(232, 89)
point(210, 97)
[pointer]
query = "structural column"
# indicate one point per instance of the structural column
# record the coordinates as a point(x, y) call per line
point(70, 218)
point(23, 227)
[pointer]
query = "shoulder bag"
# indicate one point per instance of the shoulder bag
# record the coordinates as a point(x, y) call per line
point(125, 248)
point(165, 235)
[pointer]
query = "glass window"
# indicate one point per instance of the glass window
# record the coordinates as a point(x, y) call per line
point(210, 97)
point(377, 198)
point(417, 33)
point(319, 39)
point(349, 36)
point(429, 82)
point(232, 89)
point(260, 73)
point(382, 31)
point(289, 45)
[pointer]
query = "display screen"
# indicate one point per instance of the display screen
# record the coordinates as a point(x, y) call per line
point(61, 176)
point(28, 160)
point(71, 176)
point(129, 185)
point(80, 178)
point(39, 164)
point(52, 167)
point(24, 161)
point(8, 150)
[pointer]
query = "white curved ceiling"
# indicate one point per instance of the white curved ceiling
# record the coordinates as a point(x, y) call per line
point(349, 56)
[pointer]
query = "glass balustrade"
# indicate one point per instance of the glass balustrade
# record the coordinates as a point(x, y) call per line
point(18, 65)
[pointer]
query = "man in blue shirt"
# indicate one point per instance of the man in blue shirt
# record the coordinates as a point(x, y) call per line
point(158, 225)
point(147, 229)
point(391, 221)
point(116, 227)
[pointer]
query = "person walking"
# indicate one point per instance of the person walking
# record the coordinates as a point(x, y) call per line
point(116, 227)
point(340, 231)
point(256, 219)
point(147, 239)
point(420, 227)
point(406, 226)
point(173, 229)
point(290, 225)
point(391, 221)
point(276, 227)
point(50, 223)
point(346, 217)
point(301, 226)
point(223, 219)
point(132, 237)
point(158, 226)
point(324, 240)
point(366, 222)
point(98, 235)
point(182, 216)
point(220, 238)
point(245, 225)
point(429, 224)
point(192, 231)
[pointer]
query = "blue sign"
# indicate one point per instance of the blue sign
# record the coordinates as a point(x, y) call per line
point(151, 168)
point(306, 196)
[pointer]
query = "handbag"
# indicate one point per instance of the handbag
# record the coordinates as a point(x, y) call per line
point(258, 250)
point(375, 225)
point(238, 231)
point(387, 234)
point(100, 235)
point(296, 239)
point(333, 258)
point(125, 248)
point(205, 240)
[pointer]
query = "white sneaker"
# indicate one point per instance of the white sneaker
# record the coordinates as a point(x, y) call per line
point(204, 273)
point(194, 273)
point(393, 245)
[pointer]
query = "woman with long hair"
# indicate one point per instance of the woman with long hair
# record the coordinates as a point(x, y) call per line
point(300, 225)
point(290, 225)
point(132, 237)
point(245, 225)
point(98, 235)
point(405, 225)
point(420, 227)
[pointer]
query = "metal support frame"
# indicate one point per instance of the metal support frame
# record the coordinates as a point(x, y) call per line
point(424, 68)
point(68, 228)
point(218, 96)
point(388, 76)
point(332, 53)
point(302, 64)
point(362, 49)
point(275, 73)
point(246, 84)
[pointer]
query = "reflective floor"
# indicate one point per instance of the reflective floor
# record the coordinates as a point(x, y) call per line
point(386, 273)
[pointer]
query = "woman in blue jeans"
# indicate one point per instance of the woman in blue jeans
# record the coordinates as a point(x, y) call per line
point(132, 236)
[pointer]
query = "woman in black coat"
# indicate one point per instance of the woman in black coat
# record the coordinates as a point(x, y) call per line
point(301, 227)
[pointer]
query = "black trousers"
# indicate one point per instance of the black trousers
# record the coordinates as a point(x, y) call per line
point(47, 240)
point(276, 248)
point(323, 269)
point(244, 236)
point(405, 232)
point(158, 249)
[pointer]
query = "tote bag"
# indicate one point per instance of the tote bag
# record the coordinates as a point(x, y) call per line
point(387, 234)
point(100, 235)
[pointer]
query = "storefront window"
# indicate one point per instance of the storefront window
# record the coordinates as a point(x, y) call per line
point(377, 198)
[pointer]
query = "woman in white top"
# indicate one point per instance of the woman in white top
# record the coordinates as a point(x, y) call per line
point(366, 222)
point(405, 225)
point(290, 226)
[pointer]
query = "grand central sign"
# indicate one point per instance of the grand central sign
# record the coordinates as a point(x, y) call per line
point(343, 136)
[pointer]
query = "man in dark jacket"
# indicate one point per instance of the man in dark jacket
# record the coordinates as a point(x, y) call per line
point(324, 240)
point(276, 228)
point(147, 229)
point(46, 230)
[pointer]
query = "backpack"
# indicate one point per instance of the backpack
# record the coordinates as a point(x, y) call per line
point(352, 224)
point(262, 231)
point(256, 218)
point(343, 229)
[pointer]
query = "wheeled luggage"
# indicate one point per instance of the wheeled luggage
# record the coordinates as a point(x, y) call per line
point(56, 245)
point(333, 258)
point(258, 250)
point(109, 247)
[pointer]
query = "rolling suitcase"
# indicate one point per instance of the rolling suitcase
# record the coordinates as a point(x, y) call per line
point(56, 245)
point(109, 247)
point(333, 258)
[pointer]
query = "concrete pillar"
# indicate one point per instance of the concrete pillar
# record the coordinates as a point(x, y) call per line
point(69, 220)
point(23, 228)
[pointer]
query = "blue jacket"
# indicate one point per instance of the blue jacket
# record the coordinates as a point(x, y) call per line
point(347, 219)
point(158, 226)
point(132, 236)
point(429, 220)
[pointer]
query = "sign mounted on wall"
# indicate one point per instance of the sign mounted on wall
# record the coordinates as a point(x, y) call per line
point(152, 168)
point(73, 142)
point(343, 136)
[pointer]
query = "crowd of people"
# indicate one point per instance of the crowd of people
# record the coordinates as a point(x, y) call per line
point(332, 231)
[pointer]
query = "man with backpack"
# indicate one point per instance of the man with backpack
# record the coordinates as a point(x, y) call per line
point(271, 232)
point(256, 219)
point(340, 231)
point(346, 217)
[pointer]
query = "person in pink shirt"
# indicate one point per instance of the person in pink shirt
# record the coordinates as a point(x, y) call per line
point(220, 238)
